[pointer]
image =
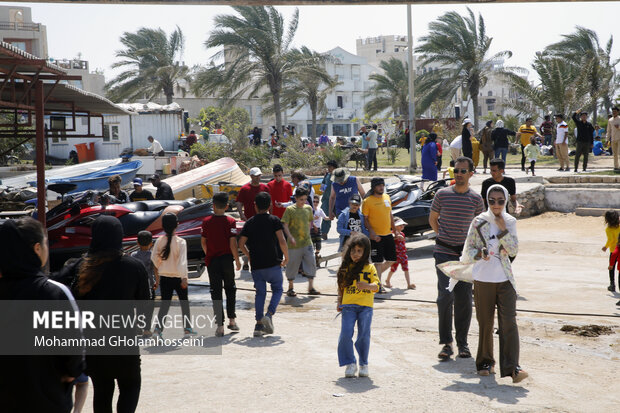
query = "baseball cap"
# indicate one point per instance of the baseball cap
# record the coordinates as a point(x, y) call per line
point(137, 181)
point(153, 177)
point(355, 199)
point(399, 221)
point(255, 171)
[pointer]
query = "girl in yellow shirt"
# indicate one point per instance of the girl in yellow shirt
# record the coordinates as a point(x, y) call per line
point(357, 285)
point(612, 231)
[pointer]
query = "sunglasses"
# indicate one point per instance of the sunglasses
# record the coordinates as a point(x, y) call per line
point(492, 201)
point(461, 171)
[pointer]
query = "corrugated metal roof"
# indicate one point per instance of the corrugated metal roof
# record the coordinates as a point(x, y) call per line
point(7, 50)
point(82, 99)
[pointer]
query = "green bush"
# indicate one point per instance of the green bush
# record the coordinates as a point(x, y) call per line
point(253, 156)
point(333, 153)
point(392, 155)
point(210, 151)
point(297, 157)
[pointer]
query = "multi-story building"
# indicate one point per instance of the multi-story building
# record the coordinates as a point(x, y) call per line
point(93, 82)
point(18, 29)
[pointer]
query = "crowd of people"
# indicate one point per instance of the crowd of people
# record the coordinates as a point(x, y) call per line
point(284, 225)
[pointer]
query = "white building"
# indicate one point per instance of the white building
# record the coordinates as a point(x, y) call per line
point(18, 29)
point(92, 82)
point(345, 103)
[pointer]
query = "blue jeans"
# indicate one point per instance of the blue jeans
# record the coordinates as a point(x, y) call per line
point(548, 139)
point(501, 152)
point(352, 313)
point(273, 276)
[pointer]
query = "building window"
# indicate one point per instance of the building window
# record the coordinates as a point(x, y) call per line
point(110, 133)
point(490, 93)
point(340, 103)
point(56, 138)
point(341, 129)
point(259, 115)
point(340, 71)
point(355, 72)
point(490, 108)
point(396, 49)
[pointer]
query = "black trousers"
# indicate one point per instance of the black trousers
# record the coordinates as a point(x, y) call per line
point(168, 285)
point(106, 372)
point(532, 164)
point(522, 157)
point(459, 301)
point(222, 274)
point(583, 148)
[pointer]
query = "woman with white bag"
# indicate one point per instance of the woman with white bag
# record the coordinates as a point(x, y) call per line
point(491, 240)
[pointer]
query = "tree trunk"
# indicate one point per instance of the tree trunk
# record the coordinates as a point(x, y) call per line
point(313, 134)
point(474, 101)
point(277, 110)
point(594, 109)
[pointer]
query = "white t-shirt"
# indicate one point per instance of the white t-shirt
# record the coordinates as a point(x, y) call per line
point(319, 215)
point(155, 147)
point(491, 271)
point(457, 143)
point(561, 132)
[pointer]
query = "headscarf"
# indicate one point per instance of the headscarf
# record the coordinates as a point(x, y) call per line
point(17, 258)
point(489, 216)
point(432, 137)
point(499, 123)
point(107, 234)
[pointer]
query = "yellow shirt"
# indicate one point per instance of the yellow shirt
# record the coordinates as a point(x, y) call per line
point(612, 237)
point(527, 133)
point(451, 172)
point(377, 210)
point(351, 295)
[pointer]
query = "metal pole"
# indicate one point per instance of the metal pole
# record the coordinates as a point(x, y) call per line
point(40, 150)
point(412, 148)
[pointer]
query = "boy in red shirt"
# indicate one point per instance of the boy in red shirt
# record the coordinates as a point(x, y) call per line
point(280, 191)
point(219, 243)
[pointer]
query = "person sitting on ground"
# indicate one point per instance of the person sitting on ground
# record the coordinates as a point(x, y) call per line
point(297, 220)
point(351, 221)
point(262, 240)
point(156, 149)
point(598, 149)
point(120, 196)
point(164, 191)
point(139, 193)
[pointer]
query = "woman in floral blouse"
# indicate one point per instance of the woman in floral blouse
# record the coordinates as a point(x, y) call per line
point(491, 240)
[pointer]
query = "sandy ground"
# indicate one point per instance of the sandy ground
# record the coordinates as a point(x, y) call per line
point(560, 268)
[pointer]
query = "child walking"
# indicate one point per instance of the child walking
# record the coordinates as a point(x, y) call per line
point(532, 151)
point(170, 260)
point(317, 236)
point(612, 220)
point(357, 285)
point(401, 255)
point(145, 243)
point(219, 243)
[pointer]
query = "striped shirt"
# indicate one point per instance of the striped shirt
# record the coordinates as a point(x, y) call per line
point(456, 212)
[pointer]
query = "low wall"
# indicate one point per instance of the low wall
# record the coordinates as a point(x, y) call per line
point(532, 201)
point(568, 199)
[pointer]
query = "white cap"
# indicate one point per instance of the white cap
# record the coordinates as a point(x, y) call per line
point(466, 121)
point(399, 221)
point(255, 171)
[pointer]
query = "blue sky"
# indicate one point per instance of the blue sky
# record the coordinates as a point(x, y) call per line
point(523, 28)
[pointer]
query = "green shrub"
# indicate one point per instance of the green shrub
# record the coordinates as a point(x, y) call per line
point(392, 155)
point(333, 153)
point(210, 151)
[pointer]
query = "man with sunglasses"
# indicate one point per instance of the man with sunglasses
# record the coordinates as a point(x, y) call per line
point(498, 177)
point(452, 212)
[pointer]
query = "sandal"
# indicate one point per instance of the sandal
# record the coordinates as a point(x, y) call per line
point(411, 287)
point(313, 292)
point(445, 353)
point(291, 293)
point(464, 352)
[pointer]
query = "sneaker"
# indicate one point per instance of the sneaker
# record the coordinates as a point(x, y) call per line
point(519, 375)
point(364, 371)
point(486, 370)
point(381, 290)
point(611, 288)
point(259, 330)
point(350, 370)
point(267, 323)
point(561, 169)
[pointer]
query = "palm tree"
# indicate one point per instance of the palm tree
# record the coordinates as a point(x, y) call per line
point(582, 50)
point(560, 89)
point(258, 46)
point(309, 85)
point(390, 90)
point(154, 66)
point(461, 45)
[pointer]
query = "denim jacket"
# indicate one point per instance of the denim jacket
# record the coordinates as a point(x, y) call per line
point(343, 220)
point(509, 245)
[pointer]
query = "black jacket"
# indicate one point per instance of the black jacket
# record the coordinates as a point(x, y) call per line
point(164, 192)
point(585, 130)
point(500, 137)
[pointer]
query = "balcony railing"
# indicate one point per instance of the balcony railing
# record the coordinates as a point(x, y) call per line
point(33, 27)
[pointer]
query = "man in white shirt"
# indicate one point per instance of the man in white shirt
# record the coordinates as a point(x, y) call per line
point(371, 138)
point(561, 142)
point(613, 135)
point(155, 147)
